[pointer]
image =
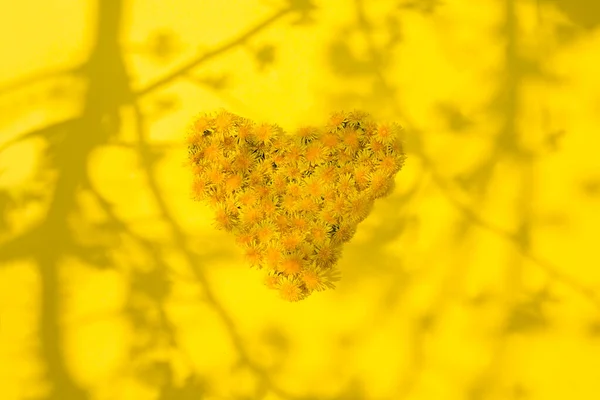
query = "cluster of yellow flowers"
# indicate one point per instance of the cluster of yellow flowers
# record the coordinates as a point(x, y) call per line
point(293, 200)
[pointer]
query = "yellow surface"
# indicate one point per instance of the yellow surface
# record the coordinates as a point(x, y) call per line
point(478, 278)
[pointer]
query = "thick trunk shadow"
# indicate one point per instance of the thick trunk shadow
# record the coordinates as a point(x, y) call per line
point(108, 89)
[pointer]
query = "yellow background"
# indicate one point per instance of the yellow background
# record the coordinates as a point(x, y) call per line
point(478, 278)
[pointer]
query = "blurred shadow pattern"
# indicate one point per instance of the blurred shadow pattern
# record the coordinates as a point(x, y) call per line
point(71, 142)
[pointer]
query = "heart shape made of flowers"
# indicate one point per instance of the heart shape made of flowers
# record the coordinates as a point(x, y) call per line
point(292, 201)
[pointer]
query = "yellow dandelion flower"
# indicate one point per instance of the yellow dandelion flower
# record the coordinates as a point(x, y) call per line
point(357, 117)
point(401, 159)
point(329, 276)
point(253, 254)
point(282, 222)
point(345, 159)
point(264, 133)
point(226, 164)
point(215, 175)
point(273, 256)
point(338, 207)
point(358, 208)
point(313, 186)
point(361, 176)
point(318, 232)
point(265, 231)
point(350, 140)
point(224, 218)
point(292, 264)
point(263, 168)
point(278, 132)
point(313, 279)
point(251, 215)
point(288, 202)
point(212, 152)
point(344, 233)
point(279, 183)
point(256, 178)
point(327, 254)
point(199, 170)
point(290, 289)
point(231, 203)
point(294, 189)
point(329, 216)
point(194, 138)
point(346, 185)
point(229, 145)
point(336, 120)
point(314, 153)
point(308, 204)
point(389, 164)
point(388, 189)
point(380, 183)
point(292, 171)
point(195, 158)
point(294, 154)
point(326, 173)
point(272, 280)
point(280, 142)
point(307, 134)
point(310, 187)
point(234, 183)
point(385, 134)
point(223, 121)
point(364, 157)
point(268, 205)
point(248, 197)
point(202, 124)
point(245, 131)
point(376, 147)
point(397, 146)
point(198, 189)
point(291, 240)
point(329, 195)
point(243, 161)
point(370, 127)
point(244, 238)
point(263, 194)
point(306, 250)
point(278, 157)
point(331, 140)
point(215, 195)
point(298, 222)
point(189, 163)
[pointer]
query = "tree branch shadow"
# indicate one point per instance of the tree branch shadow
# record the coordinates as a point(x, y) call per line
point(74, 139)
point(476, 182)
point(52, 239)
